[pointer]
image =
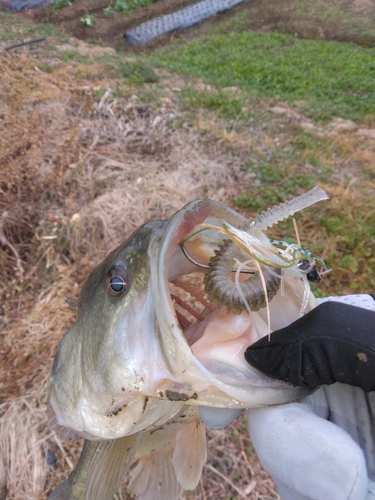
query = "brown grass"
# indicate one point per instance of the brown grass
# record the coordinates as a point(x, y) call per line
point(78, 175)
point(80, 168)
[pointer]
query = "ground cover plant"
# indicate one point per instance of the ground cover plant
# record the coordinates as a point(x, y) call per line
point(334, 79)
point(94, 143)
point(126, 6)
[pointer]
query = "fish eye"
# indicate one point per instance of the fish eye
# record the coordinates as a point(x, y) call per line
point(116, 282)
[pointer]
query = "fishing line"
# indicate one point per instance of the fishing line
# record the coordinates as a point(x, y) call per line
point(207, 266)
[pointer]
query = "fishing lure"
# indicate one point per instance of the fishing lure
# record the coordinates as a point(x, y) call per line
point(305, 260)
point(222, 290)
point(249, 247)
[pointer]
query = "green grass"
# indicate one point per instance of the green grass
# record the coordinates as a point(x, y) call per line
point(59, 4)
point(72, 55)
point(137, 73)
point(275, 183)
point(299, 164)
point(335, 79)
point(17, 28)
point(125, 6)
point(47, 68)
point(221, 101)
point(341, 230)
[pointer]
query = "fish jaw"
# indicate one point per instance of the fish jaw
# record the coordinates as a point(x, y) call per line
point(166, 459)
point(102, 382)
point(170, 457)
point(126, 365)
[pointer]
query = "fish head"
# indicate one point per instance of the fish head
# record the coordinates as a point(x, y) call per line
point(137, 354)
point(99, 367)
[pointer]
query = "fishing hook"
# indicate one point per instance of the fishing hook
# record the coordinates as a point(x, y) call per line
point(206, 266)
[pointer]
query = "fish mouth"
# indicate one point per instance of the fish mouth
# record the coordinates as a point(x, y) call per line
point(202, 337)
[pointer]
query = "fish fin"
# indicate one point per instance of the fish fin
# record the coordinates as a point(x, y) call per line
point(109, 466)
point(64, 432)
point(63, 491)
point(74, 486)
point(190, 454)
point(154, 478)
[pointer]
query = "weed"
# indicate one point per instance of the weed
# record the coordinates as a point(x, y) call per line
point(54, 231)
point(233, 434)
point(318, 292)
point(98, 95)
point(59, 4)
point(267, 172)
point(149, 94)
point(275, 182)
point(41, 30)
point(125, 6)
point(369, 172)
point(109, 11)
point(88, 20)
point(349, 262)
point(265, 196)
point(250, 450)
point(238, 22)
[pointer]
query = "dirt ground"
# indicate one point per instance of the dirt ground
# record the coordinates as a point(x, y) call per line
point(85, 159)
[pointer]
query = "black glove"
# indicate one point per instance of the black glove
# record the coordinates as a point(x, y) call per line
point(334, 342)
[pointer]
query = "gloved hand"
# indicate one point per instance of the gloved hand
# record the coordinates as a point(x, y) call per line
point(322, 447)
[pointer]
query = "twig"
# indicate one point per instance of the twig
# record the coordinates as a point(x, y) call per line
point(296, 232)
point(21, 44)
point(247, 461)
point(101, 102)
point(63, 452)
point(201, 484)
point(5, 242)
point(215, 471)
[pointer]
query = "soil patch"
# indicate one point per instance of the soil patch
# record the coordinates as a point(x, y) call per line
point(340, 20)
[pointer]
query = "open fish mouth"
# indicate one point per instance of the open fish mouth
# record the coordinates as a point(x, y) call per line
point(164, 321)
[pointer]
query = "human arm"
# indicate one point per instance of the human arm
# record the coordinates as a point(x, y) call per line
point(321, 447)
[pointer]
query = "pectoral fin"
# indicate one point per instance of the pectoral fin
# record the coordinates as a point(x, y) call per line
point(154, 478)
point(101, 469)
point(109, 467)
point(190, 454)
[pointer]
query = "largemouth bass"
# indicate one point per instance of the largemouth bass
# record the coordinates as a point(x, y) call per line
point(162, 326)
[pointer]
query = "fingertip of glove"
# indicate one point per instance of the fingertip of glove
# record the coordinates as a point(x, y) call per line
point(270, 359)
point(284, 361)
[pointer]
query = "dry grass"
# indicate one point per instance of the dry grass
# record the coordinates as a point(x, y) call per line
point(81, 167)
point(77, 177)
